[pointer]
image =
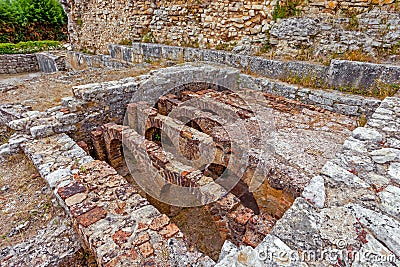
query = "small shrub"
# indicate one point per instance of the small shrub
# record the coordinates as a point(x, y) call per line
point(353, 23)
point(148, 38)
point(266, 47)
point(79, 22)
point(286, 9)
point(362, 121)
point(358, 55)
point(125, 42)
point(223, 46)
point(29, 47)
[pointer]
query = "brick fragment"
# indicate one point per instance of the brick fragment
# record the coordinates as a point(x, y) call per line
point(91, 216)
point(71, 189)
point(159, 222)
point(141, 239)
point(120, 237)
point(169, 231)
point(146, 249)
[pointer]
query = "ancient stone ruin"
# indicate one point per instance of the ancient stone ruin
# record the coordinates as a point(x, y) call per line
point(216, 157)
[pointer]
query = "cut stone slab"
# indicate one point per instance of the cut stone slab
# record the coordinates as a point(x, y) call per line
point(273, 246)
point(373, 253)
point(384, 228)
point(390, 200)
point(377, 180)
point(270, 252)
point(299, 226)
point(394, 172)
point(338, 225)
point(338, 174)
point(355, 145)
point(227, 249)
point(367, 134)
point(41, 131)
point(385, 155)
point(314, 192)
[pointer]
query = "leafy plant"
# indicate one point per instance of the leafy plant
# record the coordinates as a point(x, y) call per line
point(28, 47)
point(148, 38)
point(286, 9)
point(31, 20)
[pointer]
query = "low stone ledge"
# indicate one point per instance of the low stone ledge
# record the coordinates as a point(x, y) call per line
point(80, 61)
point(340, 73)
point(18, 63)
point(112, 219)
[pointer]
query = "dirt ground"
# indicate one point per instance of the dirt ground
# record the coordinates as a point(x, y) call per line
point(25, 201)
point(42, 91)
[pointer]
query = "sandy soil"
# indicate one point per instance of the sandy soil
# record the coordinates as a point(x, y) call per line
point(25, 201)
point(42, 91)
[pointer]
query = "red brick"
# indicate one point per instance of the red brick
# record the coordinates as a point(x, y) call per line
point(169, 231)
point(81, 208)
point(159, 222)
point(91, 216)
point(146, 249)
point(242, 216)
point(71, 189)
point(121, 237)
point(141, 239)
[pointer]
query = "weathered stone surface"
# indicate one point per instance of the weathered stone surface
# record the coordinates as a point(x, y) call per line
point(314, 192)
point(385, 155)
point(270, 252)
point(361, 75)
point(367, 134)
point(390, 199)
point(18, 63)
point(338, 224)
point(51, 62)
point(338, 174)
point(299, 226)
point(55, 245)
point(384, 228)
point(374, 253)
point(41, 131)
point(394, 172)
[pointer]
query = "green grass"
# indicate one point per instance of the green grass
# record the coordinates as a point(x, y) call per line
point(28, 47)
point(286, 9)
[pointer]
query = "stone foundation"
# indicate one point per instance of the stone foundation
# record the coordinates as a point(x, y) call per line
point(18, 63)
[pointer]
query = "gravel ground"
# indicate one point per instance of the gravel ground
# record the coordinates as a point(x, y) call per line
point(42, 91)
point(25, 201)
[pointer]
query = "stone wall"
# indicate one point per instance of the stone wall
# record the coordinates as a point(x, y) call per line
point(51, 62)
point(324, 27)
point(18, 63)
point(340, 74)
point(80, 61)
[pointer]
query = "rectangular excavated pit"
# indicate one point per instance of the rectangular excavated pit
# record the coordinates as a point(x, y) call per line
point(302, 138)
